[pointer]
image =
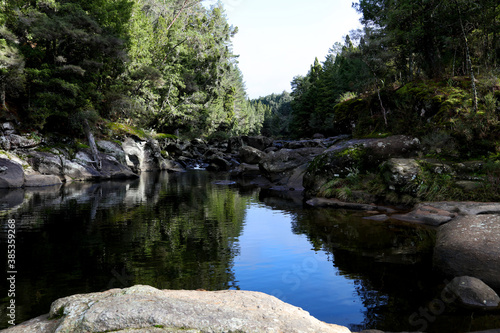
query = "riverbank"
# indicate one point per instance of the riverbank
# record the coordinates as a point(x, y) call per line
point(279, 166)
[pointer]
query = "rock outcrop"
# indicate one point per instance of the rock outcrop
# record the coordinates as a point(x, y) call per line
point(352, 156)
point(146, 309)
point(469, 245)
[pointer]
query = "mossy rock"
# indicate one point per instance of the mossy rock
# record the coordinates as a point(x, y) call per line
point(119, 129)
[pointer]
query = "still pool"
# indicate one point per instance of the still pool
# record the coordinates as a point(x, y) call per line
point(196, 230)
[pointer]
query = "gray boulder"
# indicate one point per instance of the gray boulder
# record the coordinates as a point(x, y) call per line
point(141, 156)
point(259, 141)
point(11, 174)
point(46, 163)
point(112, 148)
point(279, 167)
point(41, 180)
point(146, 309)
point(473, 293)
point(470, 246)
point(18, 141)
point(251, 155)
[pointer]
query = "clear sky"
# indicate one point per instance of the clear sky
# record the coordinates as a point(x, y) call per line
point(279, 39)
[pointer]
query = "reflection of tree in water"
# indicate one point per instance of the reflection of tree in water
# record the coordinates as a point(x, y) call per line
point(390, 263)
point(174, 231)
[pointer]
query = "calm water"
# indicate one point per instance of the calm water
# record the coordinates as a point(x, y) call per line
point(189, 231)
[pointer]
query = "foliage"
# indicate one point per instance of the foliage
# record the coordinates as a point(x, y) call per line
point(277, 113)
point(163, 65)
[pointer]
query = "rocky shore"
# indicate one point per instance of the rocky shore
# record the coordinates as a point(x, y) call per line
point(386, 177)
point(148, 310)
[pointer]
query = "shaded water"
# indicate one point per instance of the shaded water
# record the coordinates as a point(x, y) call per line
point(188, 231)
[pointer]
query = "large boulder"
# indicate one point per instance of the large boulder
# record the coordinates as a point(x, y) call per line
point(353, 156)
point(471, 292)
point(46, 163)
point(470, 246)
point(279, 167)
point(112, 148)
point(143, 156)
point(259, 142)
point(146, 309)
point(251, 155)
point(11, 174)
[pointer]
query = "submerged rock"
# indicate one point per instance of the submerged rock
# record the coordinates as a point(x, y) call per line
point(146, 309)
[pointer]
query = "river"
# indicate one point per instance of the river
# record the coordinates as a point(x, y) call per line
point(199, 230)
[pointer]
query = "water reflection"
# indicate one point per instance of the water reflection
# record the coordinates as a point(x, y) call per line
point(198, 230)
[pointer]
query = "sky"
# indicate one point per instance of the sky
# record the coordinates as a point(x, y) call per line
point(279, 39)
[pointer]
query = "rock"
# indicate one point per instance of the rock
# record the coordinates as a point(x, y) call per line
point(18, 141)
point(425, 213)
point(75, 171)
point(112, 148)
point(469, 246)
point(141, 156)
point(4, 142)
point(146, 309)
point(251, 155)
point(218, 163)
point(260, 142)
point(41, 180)
point(279, 166)
point(112, 169)
point(355, 155)
point(316, 143)
point(247, 169)
point(334, 203)
point(46, 163)
point(7, 126)
point(11, 174)
point(471, 292)
point(379, 217)
point(466, 207)
point(401, 172)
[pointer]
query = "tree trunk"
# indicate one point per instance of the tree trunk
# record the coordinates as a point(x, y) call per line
point(469, 61)
point(2, 95)
point(384, 112)
point(93, 147)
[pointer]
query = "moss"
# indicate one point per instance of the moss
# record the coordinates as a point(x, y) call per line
point(163, 136)
point(79, 145)
point(59, 314)
point(119, 129)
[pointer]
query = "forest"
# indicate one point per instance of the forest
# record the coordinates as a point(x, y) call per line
point(167, 66)
point(161, 65)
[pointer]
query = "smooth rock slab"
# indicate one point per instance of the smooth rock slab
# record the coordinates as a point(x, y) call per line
point(41, 180)
point(470, 246)
point(146, 309)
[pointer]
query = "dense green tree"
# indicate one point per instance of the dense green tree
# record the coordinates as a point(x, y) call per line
point(277, 113)
point(161, 64)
